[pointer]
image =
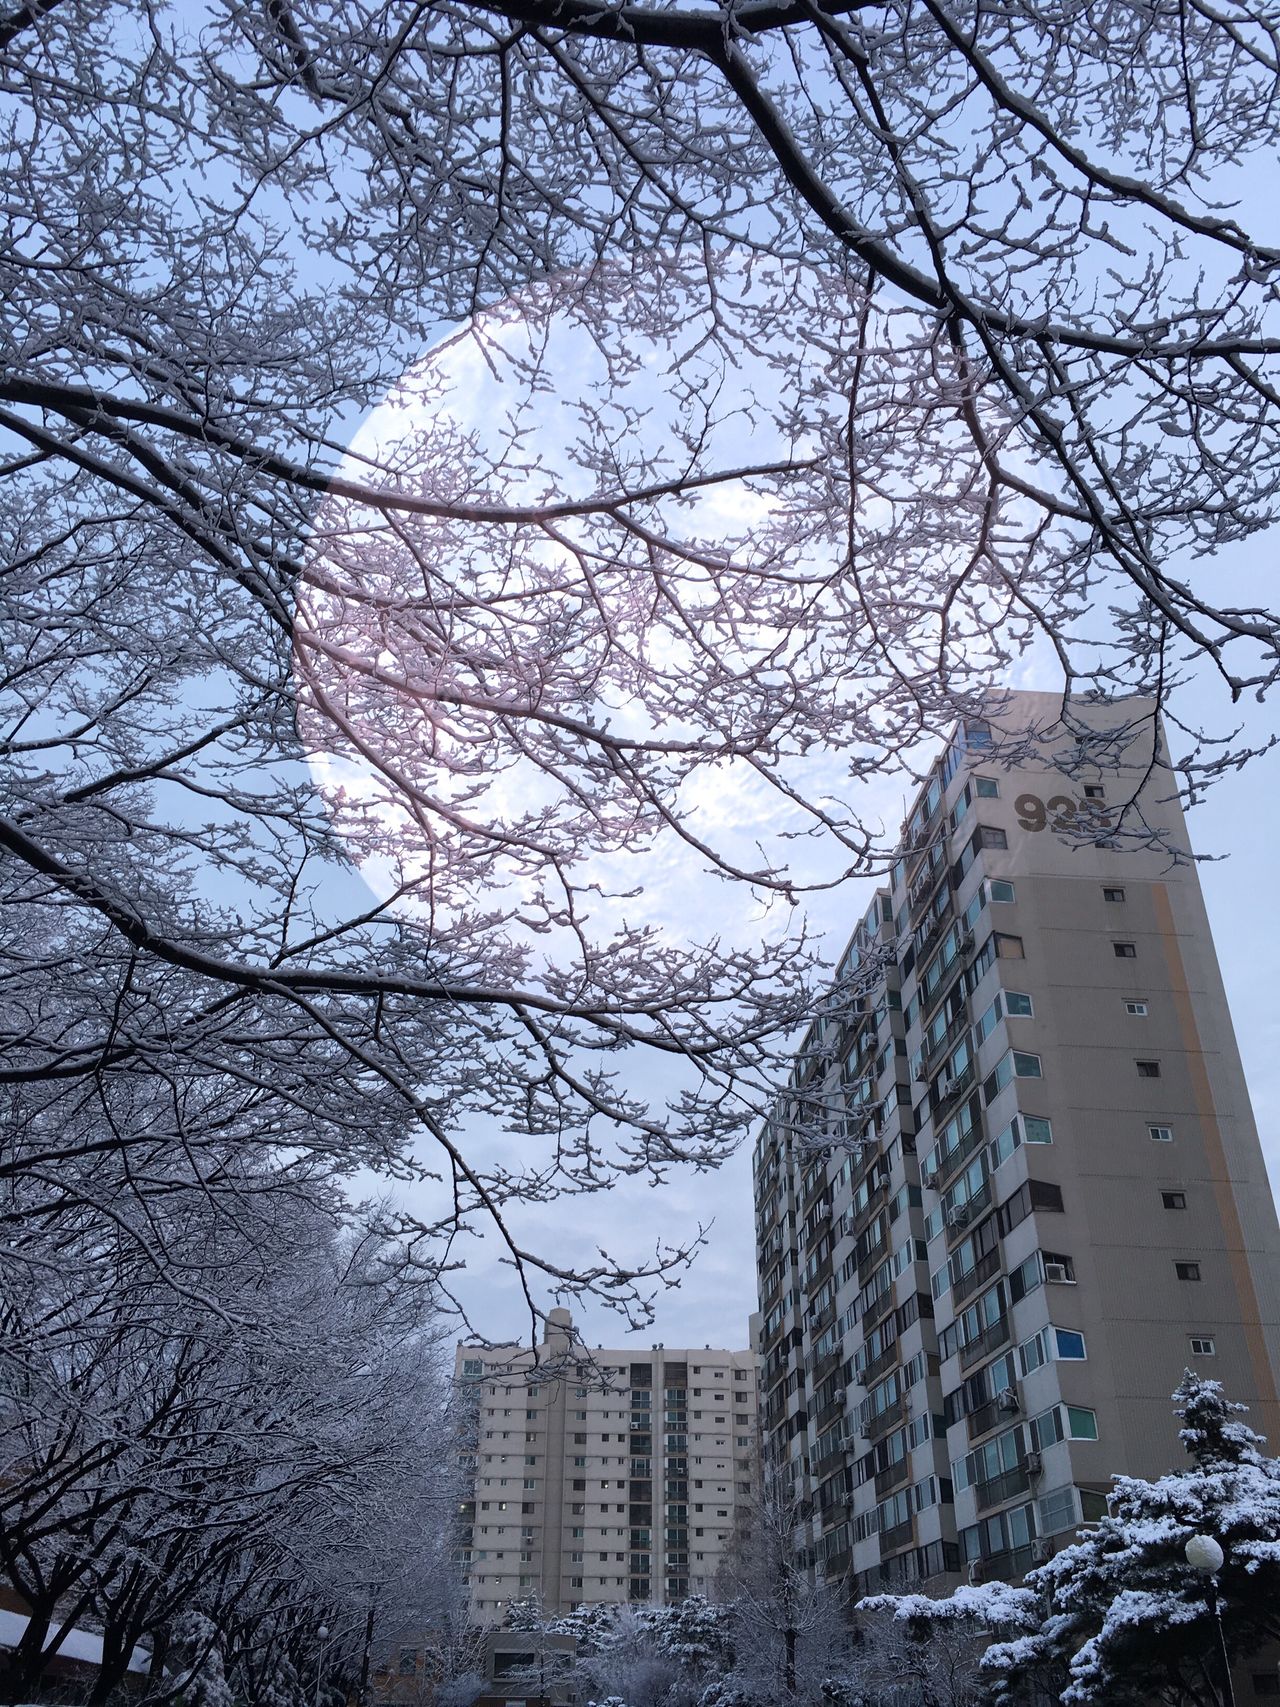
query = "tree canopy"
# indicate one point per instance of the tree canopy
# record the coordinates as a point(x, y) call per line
point(905, 338)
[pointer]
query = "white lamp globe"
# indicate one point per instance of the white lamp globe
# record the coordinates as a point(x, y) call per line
point(1204, 1554)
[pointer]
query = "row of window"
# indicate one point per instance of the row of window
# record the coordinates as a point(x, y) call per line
point(1007, 1451)
point(476, 1366)
point(1008, 1531)
point(897, 1510)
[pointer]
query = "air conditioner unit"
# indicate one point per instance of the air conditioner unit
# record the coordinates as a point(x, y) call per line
point(958, 1217)
point(929, 1177)
point(1032, 1463)
point(1058, 1273)
point(975, 1571)
point(1007, 1400)
point(948, 1088)
point(965, 945)
point(1041, 1550)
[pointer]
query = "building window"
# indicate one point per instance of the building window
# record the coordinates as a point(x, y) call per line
point(1202, 1345)
point(1000, 889)
point(1081, 1424)
point(1148, 1069)
point(992, 838)
point(1187, 1270)
point(1160, 1134)
point(1124, 950)
point(1009, 947)
point(987, 787)
point(1174, 1199)
point(1094, 791)
point(1057, 1511)
point(1113, 894)
point(1018, 1006)
point(1137, 1009)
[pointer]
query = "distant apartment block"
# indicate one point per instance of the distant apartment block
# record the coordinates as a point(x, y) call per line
point(1014, 1186)
point(602, 1475)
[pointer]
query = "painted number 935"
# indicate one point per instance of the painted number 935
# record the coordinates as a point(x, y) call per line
point(1059, 812)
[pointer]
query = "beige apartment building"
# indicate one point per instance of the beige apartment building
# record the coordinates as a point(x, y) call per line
point(1014, 1186)
point(602, 1475)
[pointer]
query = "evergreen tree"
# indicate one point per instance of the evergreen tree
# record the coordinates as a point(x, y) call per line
point(1121, 1617)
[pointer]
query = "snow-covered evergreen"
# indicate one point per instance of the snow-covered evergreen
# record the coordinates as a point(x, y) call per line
point(1120, 1617)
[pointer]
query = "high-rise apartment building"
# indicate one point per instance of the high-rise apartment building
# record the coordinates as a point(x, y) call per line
point(602, 1475)
point(1014, 1186)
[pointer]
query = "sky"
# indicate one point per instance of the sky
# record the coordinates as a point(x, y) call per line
point(1233, 830)
point(1238, 822)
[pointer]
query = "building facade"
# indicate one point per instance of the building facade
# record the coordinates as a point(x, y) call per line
point(601, 1475)
point(1014, 1186)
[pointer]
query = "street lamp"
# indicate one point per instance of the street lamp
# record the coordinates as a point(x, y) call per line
point(1205, 1555)
point(323, 1633)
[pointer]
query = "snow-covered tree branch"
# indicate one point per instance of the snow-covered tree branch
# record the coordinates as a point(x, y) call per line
point(245, 1460)
point(744, 388)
